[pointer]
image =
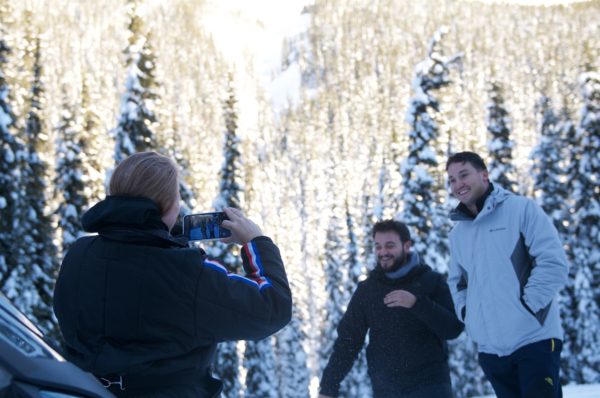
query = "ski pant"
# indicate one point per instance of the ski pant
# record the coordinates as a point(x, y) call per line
point(532, 371)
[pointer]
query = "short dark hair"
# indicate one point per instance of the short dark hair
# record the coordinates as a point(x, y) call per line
point(461, 157)
point(392, 225)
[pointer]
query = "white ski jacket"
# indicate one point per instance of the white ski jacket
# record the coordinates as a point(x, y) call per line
point(506, 267)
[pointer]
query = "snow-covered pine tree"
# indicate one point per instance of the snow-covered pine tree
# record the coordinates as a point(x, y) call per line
point(294, 366)
point(31, 282)
point(259, 362)
point(231, 181)
point(230, 195)
point(340, 260)
point(421, 181)
point(374, 207)
point(337, 284)
point(292, 370)
point(94, 136)
point(552, 193)
point(357, 382)
point(548, 172)
point(586, 234)
point(69, 186)
point(134, 132)
point(379, 201)
point(10, 149)
point(568, 296)
point(423, 192)
point(500, 145)
point(226, 368)
point(572, 143)
point(175, 149)
point(570, 162)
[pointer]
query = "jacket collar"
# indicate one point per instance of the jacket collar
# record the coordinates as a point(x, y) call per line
point(492, 198)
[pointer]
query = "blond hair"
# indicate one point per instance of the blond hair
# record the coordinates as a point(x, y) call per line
point(149, 175)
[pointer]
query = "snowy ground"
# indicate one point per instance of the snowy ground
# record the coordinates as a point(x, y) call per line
point(585, 391)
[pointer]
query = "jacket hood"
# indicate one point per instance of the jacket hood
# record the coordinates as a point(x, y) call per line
point(123, 212)
point(129, 219)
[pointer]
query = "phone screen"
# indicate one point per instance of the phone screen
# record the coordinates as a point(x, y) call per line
point(205, 226)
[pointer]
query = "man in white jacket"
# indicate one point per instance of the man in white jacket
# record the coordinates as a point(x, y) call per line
point(507, 266)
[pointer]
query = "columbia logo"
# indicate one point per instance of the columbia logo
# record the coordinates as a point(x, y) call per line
point(549, 381)
point(497, 229)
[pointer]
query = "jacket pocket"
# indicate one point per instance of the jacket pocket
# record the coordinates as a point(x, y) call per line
point(541, 315)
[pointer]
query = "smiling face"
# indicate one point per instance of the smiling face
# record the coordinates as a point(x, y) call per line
point(467, 183)
point(390, 251)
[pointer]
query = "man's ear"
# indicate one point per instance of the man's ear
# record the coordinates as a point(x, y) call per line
point(486, 176)
point(407, 245)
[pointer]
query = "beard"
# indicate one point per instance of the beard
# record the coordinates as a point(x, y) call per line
point(396, 265)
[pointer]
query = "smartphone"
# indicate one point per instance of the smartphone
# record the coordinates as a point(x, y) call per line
point(205, 226)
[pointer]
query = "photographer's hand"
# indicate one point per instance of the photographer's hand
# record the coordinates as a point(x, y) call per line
point(243, 230)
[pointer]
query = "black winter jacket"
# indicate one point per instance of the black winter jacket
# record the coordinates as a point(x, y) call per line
point(407, 347)
point(139, 307)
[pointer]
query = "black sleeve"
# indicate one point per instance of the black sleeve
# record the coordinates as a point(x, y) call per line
point(245, 307)
point(437, 312)
point(351, 337)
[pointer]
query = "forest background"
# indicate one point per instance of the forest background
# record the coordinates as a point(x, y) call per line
point(383, 92)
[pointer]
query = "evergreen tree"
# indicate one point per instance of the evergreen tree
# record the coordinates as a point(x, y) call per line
point(568, 296)
point(31, 282)
point(586, 234)
point(69, 186)
point(357, 382)
point(227, 368)
point(548, 173)
point(337, 284)
point(500, 145)
point(134, 133)
point(259, 361)
point(552, 193)
point(571, 161)
point(421, 181)
point(230, 195)
point(291, 362)
point(174, 148)
point(294, 367)
point(231, 187)
point(10, 151)
point(94, 137)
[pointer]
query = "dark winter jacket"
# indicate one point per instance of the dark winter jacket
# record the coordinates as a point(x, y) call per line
point(137, 306)
point(407, 347)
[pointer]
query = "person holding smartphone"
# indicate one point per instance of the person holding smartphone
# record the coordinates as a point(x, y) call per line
point(144, 312)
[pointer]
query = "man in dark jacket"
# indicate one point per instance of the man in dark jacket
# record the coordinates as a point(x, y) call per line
point(141, 310)
point(407, 309)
